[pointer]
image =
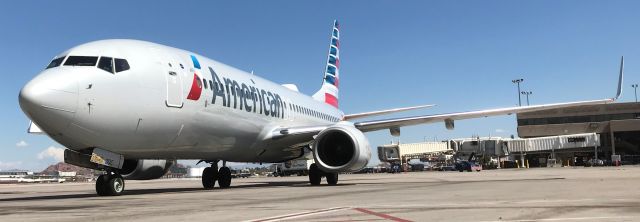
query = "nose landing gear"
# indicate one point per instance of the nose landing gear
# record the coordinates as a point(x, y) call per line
point(110, 184)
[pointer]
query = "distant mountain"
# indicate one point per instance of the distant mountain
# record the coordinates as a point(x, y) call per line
point(65, 167)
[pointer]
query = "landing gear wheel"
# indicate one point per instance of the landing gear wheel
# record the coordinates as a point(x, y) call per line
point(224, 179)
point(332, 178)
point(100, 185)
point(115, 186)
point(315, 175)
point(209, 177)
point(110, 185)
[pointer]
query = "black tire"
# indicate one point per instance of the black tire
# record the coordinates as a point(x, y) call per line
point(224, 177)
point(209, 177)
point(315, 175)
point(461, 170)
point(101, 184)
point(332, 178)
point(115, 185)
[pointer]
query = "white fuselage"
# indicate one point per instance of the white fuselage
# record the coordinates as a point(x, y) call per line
point(154, 110)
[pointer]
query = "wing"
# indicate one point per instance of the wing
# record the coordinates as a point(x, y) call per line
point(302, 132)
point(395, 124)
point(382, 112)
point(448, 118)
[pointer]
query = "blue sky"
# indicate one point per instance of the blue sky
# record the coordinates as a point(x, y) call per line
point(460, 55)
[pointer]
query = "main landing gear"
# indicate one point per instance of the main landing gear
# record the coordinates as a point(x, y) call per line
point(315, 176)
point(110, 184)
point(211, 174)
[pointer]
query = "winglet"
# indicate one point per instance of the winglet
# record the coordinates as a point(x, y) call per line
point(620, 79)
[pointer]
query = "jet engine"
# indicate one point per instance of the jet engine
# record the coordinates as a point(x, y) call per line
point(134, 169)
point(341, 148)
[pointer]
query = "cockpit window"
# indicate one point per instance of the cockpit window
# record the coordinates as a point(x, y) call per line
point(81, 61)
point(106, 64)
point(121, 65)
point(55, 62)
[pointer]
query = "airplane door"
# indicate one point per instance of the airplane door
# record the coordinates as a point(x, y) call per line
point(174, 85)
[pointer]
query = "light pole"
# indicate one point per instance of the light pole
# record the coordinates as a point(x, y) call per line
point(527, 93)
point(518, 81)
point(635, 88)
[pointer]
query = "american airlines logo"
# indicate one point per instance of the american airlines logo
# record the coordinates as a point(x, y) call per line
point(196, 88)
point(238, 95)
point(245, 96)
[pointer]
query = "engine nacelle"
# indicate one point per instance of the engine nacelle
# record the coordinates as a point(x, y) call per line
point(341, 148)
point(133, 169)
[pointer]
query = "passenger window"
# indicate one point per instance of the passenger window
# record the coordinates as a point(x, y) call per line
point(55, 62)
point(205, 84)
point(121, 65)
point(106, 64)
point(81, 61)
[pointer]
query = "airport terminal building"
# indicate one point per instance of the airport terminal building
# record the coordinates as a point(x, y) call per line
point(617, 125)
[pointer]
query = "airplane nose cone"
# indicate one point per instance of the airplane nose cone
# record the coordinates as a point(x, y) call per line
point(50, 99)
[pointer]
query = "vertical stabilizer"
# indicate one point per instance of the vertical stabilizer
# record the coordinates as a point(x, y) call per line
point(328, 93)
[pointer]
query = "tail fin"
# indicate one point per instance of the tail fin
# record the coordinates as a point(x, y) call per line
point(329, 90)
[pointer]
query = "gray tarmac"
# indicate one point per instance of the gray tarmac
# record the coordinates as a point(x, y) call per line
point(543, 194)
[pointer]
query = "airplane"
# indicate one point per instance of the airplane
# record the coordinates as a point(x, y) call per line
point(132, 108)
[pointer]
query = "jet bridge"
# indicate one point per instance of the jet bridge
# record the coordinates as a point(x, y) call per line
point(551, 143)
point(495, 149)
point(547, 151)
point(426, 151)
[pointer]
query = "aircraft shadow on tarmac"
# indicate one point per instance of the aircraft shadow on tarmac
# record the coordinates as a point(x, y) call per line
point(134, 192)
point(247, 186)
point(441, 181)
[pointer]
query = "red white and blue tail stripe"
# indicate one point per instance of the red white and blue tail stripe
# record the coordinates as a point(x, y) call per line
point(329, 91)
